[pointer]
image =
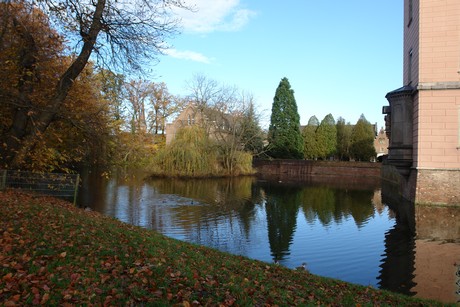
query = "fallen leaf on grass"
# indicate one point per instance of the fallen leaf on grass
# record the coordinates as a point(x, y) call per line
point(7, 276)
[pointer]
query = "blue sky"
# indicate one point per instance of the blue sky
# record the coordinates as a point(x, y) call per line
point(340, 57)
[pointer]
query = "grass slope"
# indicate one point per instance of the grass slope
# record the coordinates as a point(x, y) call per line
point(56, 254)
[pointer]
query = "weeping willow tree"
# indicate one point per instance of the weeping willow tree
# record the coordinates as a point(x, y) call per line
point(189, 154)
point(193, 154)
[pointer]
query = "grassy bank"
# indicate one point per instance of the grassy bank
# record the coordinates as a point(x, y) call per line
point(54, 253)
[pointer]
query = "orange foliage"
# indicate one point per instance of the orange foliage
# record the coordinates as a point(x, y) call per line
point(32, 58)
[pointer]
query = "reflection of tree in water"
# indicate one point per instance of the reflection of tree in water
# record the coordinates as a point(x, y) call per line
point(246, 212)
point(228, 193)
point(218, 208)
point(357, 203)
point(328, 204)
point(226, 208)
point(318, 203)
point(282, 205)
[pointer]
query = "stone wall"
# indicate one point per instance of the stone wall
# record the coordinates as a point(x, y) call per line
point(306, 169)
point(437, 186)
point(309, 167)
point(422, 186)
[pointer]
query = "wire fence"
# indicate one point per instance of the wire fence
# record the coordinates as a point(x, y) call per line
point(56, 184)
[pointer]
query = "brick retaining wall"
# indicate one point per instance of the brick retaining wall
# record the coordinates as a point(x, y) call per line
point(423, 186)
point(301, 168)
point(438, 186)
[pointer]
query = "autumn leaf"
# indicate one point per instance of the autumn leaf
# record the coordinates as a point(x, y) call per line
point(7, 277)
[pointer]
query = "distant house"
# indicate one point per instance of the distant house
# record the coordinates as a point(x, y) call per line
point(212, 119)
point(381, 143)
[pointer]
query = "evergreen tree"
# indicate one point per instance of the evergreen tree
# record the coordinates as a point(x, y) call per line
point(313, 121)
point(326, 137)
point(284, 137)
point(252, 134)
point(310, 148)
point(343, 139)
point(362, 141)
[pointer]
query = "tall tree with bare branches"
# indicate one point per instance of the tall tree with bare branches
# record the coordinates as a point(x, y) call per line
point(115, 33)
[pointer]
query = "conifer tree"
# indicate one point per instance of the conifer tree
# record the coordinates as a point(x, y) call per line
point(310, 150)
point(251, 133)
point(284, 137)
point(326, 137)
point(362, 141)
point(343, 139)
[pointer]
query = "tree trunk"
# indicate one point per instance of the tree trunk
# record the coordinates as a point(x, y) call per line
point(27, 139)
point(22, 116)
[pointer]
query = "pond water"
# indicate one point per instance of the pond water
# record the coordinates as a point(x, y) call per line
point(340, 228)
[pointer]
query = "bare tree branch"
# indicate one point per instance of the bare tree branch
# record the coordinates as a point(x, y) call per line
point(119, 33)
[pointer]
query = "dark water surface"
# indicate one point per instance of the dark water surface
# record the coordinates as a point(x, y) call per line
point(340, 228)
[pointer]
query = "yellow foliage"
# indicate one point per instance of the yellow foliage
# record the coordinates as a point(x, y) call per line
point(32, 56)
point(193, 154)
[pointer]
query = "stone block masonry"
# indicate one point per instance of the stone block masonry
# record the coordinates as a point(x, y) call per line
point(356, 175)
point(437, 186)
point(324, 168)
point(423, 186)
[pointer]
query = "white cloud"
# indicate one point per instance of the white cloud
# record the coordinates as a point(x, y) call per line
point(214, 15)
point(188, 55)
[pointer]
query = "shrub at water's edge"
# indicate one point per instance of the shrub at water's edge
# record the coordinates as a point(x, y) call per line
point(193, 154)
point(57, 254)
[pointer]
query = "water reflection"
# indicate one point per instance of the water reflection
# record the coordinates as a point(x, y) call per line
point(215, 213)
point(437, 253)
point(281, 208)
point(422, 251)
point(257, 217)
point(340, 228)
point(398, 262)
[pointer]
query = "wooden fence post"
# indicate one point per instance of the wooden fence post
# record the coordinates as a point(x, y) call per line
point(3, 180)
point(76, 190)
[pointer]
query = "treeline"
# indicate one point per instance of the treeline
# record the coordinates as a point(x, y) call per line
point(317, 140)
point(339, 140)
point(106, 118)
point(62, 110)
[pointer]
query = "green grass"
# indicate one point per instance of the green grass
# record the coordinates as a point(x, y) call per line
point(56, 254)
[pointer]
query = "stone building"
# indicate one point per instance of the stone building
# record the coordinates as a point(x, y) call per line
point(422, 119)
point(215, 122)
point(381, 144)
point(189, 116)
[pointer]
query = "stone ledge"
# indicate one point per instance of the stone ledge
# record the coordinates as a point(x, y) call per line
point(452, 85)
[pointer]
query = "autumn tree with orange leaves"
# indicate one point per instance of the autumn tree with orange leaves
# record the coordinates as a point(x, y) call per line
point(33, 57)
point(43, 76)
